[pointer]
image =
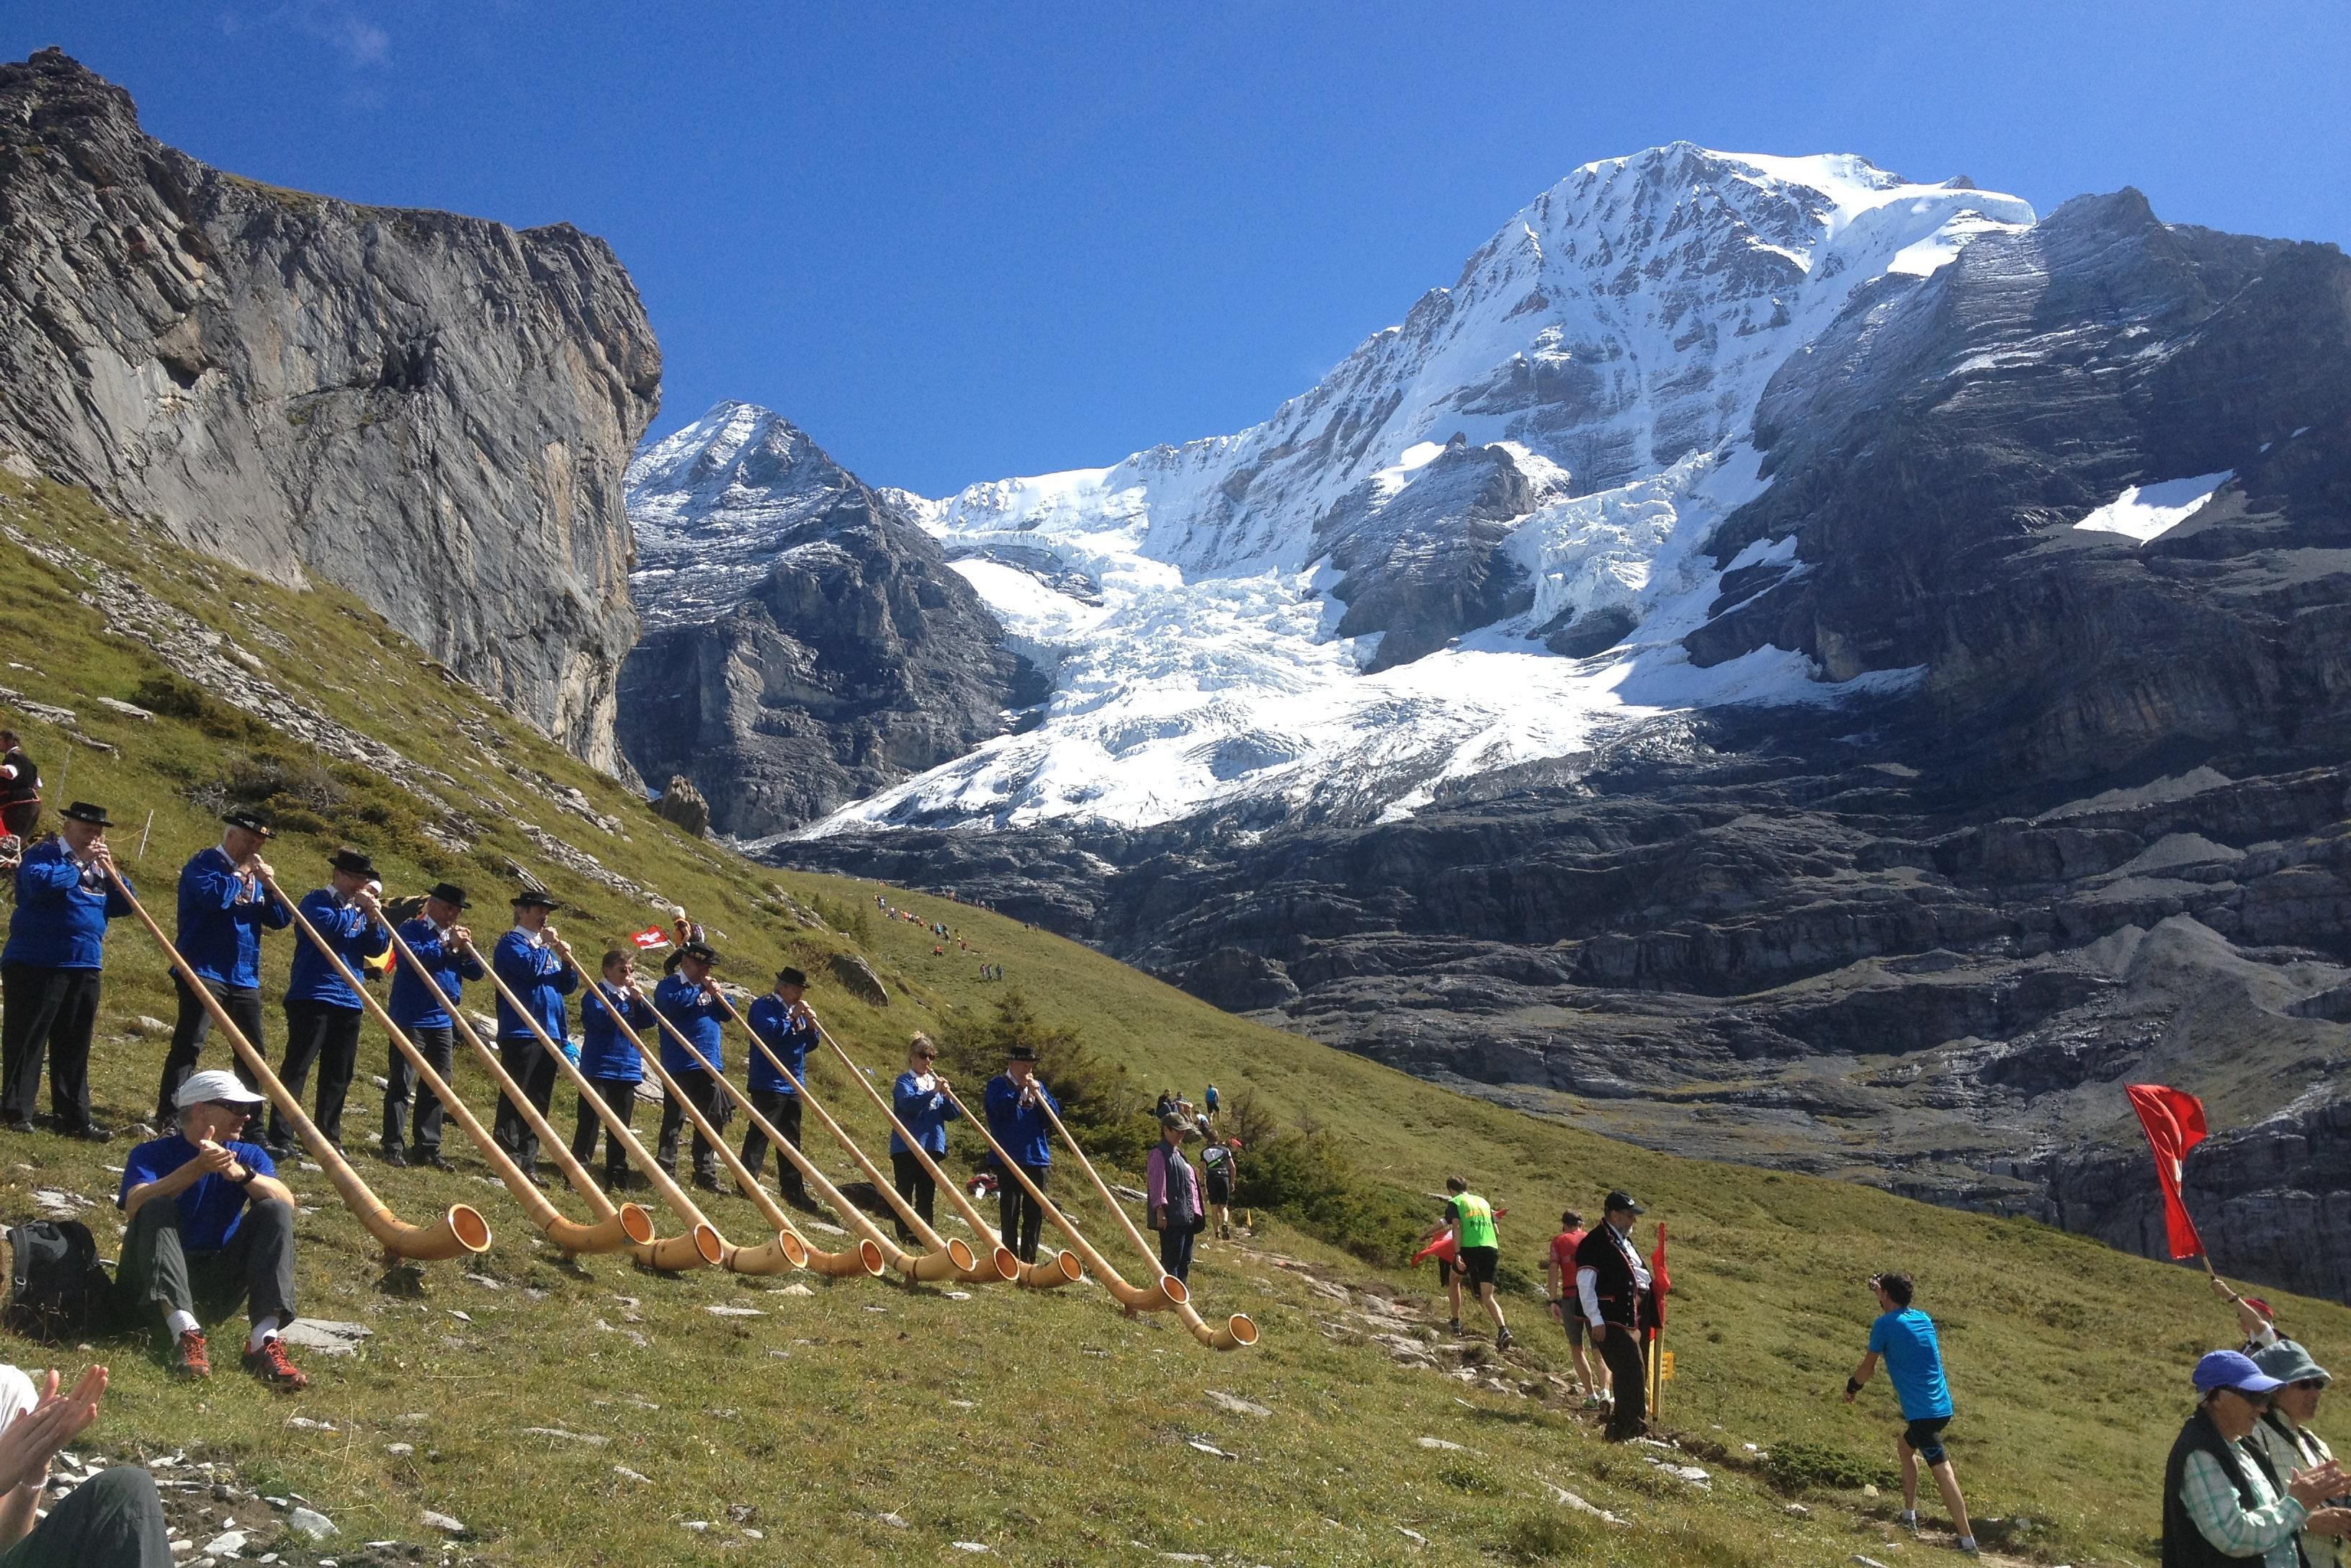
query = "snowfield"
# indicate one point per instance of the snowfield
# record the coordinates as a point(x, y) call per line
point(1608, 345)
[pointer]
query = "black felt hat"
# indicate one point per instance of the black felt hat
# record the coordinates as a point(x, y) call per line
point(83, 811)
point(1021, 1053)
point(535, 897)
point(1620, 1202)
point(790, 977)
point(353, 862)
point(249, 820)
point(702, 950)
point(448, 893)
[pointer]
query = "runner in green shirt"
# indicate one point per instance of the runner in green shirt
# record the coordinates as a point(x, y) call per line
point(1471, 1220)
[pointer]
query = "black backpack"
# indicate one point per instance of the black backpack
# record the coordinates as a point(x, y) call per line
point(57, 1287)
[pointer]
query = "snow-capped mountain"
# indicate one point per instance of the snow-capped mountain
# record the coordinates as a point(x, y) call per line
point(1474, 544)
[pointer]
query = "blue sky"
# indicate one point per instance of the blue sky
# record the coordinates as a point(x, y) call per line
point(961, 241)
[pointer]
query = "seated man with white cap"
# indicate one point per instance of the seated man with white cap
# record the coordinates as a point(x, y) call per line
point(210, 1226)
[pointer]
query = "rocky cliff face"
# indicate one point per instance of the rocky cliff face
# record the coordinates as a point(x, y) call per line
point(2071, 513)
point(432, 411)
point(805, 644)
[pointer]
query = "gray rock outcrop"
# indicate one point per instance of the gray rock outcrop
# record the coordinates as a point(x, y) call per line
point(684, 804)
point(431, 410)
point(805, 644)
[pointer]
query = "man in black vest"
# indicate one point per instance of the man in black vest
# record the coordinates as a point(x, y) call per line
point(1611, 1287)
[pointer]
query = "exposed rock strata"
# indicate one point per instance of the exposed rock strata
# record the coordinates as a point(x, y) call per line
point(433, 411)
point(806, 645)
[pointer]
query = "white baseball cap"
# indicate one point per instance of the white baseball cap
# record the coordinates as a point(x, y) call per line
point(213, 1086)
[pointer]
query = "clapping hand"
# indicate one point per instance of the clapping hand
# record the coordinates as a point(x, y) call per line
point(33, 1439)
point(214, 1160)
point(2315, 1485)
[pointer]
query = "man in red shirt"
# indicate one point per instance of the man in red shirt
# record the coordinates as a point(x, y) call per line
point(1561, 1290)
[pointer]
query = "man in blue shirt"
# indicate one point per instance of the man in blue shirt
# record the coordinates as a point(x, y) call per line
point(210, 1226)
point(323, 1011)
point(611, 1062)
point(49, 972)
point(689, 1002)
point(920, 1102)
point(223, 910)
point(1016, 1115)
point(782, 1023)
point(444, 950)
point(536, 964)
point(1905, 1337)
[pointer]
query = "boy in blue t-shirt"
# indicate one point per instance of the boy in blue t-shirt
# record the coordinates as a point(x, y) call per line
point(1905, 1337)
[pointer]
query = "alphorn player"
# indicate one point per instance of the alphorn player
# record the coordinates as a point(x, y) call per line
point(689, 999)
point(920, 1100)
point(537, 965)
point(444, 950)
point(223, 910)
point(50, 971)
point(610, 1063)
point(323, 1011)
point(782, 1021)
point(1016, 1104)
point(211, 1227)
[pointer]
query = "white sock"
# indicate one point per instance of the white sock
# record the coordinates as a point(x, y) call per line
point(263, 1332)
point(181, 1322)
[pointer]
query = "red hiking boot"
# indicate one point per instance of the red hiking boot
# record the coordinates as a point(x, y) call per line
point(190, 1359)
point(269, 1364)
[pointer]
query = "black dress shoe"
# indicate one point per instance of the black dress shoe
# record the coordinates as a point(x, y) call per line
point(707, 1182)
point(18, 1125)
point(396, 1158)
point(439, 1161)
point(90, 1132)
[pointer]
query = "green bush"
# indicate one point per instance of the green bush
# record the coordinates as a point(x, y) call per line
point(1794, 1465)
point(1099, 1104)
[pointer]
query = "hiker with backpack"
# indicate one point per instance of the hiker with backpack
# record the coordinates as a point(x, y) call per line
point(49, 972)
point(1220, 1167)
point(1905, 1337)
point(211, 1227)
point(1173, 1197)
point(115, 1518)
point(1560, 1288)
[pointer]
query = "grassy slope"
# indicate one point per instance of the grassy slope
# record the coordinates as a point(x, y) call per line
point(837, 1405)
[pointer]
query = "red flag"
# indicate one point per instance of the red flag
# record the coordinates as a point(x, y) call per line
point(2174, 1123)
point(1658, 1282)
point(650, 937)
point(1444, 1247)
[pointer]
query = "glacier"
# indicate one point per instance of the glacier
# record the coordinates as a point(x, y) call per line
point(1578, 406)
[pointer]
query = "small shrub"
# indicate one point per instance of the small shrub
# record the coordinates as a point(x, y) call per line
point(1548, 1535)
point(1463, 1475)
point(1798, 1466)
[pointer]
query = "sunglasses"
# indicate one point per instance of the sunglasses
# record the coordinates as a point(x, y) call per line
point(2309, 1385)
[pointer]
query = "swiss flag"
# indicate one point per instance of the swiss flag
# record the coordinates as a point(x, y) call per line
point(2174, 1123)
point(650, 937)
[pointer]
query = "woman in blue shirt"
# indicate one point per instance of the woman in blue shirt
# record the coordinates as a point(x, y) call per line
point(920, 1103)
point(611, 1062)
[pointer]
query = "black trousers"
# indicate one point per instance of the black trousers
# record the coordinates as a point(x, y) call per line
point(327, 1038)
point(784, 1111)
point(51, 1013)
point(916, 1186)
point(621, 1094)
point(159, 1272)
point(400, 1085)
point(1019, 1218)
point(701, 1088)
point(115, 1519)
point(1628, 1379)
point(527, 1064)
point(1175, 1250)
point(188, 1034)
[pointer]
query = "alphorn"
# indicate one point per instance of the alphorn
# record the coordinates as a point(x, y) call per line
point(960, 1262)
point(943, 1259)
point(1063, 1269)
point(866, 1258)
point(462, 1230)
point(1237, 1331)
point(702, 1240)
point(1134, 1297)
point(627, 1224)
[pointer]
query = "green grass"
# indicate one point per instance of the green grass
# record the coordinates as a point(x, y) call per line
point(2068, 1360)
